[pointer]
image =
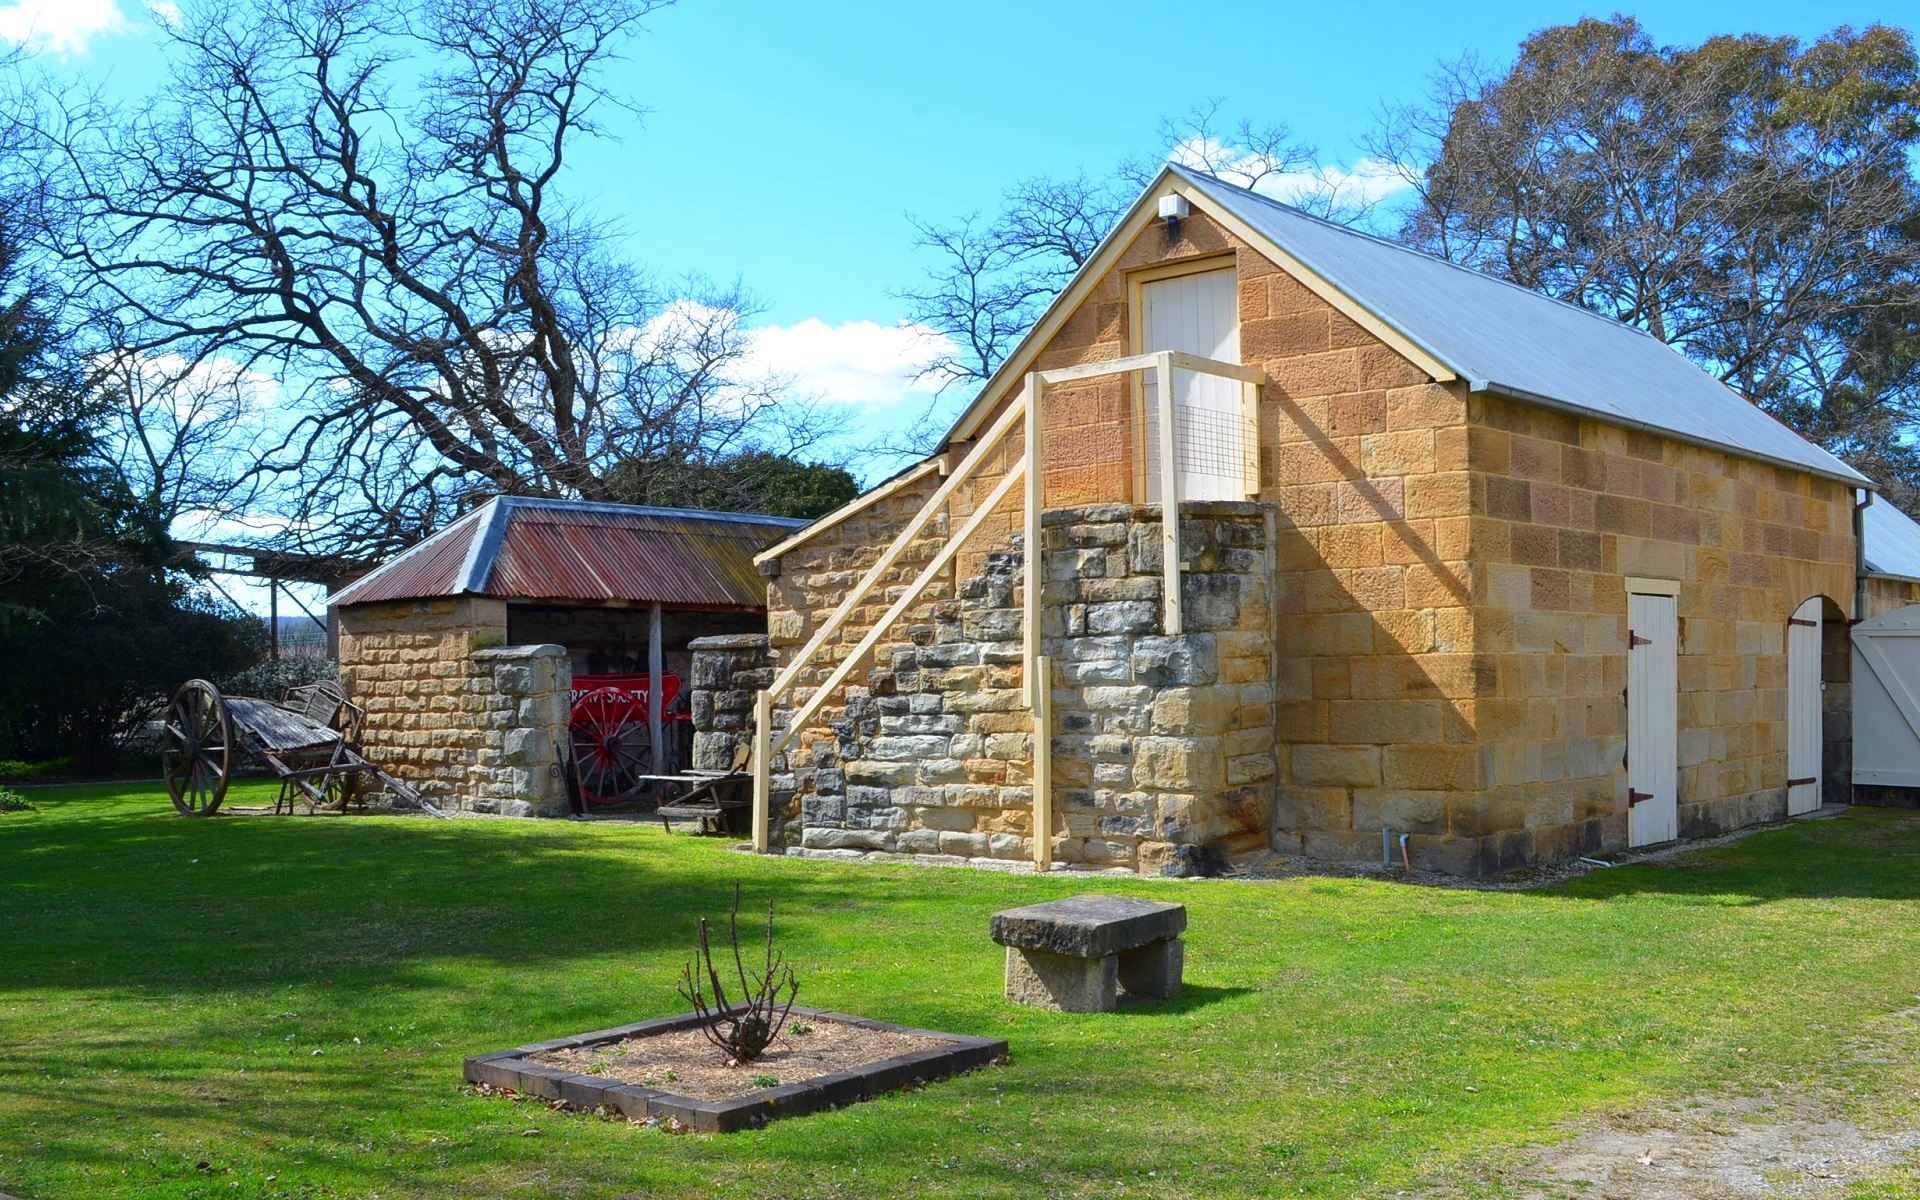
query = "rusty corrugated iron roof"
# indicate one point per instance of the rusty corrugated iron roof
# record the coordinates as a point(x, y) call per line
point(563, 551)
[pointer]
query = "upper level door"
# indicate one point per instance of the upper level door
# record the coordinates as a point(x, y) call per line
point(1803, 709)
point(1198, 313)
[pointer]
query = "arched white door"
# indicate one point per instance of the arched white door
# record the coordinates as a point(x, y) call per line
point(1803, 709)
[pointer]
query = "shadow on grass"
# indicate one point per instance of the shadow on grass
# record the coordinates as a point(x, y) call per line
point(139, 900)
point(1192, 997)
point(1868, 853)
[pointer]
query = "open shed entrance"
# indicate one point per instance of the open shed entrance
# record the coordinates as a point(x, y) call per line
point(624, 730)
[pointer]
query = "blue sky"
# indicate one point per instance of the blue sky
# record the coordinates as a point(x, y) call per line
point(786, 143)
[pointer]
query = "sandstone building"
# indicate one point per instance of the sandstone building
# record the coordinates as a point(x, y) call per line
point(1452, 560)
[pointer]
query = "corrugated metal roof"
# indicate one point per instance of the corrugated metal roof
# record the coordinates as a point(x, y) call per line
point(1504, 338)
point(563, 550)
point(1893, 541)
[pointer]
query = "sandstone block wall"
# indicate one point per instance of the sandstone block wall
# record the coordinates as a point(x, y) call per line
point(1564, 511)
point(469, 722)
point(1449, 644)
point(1163, 746)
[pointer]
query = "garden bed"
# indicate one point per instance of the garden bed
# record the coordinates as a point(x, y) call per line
point(666, 1069)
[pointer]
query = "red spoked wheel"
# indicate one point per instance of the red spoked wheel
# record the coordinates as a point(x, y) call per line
point(611, 746)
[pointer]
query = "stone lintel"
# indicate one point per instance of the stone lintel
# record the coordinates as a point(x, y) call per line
point(511, 653)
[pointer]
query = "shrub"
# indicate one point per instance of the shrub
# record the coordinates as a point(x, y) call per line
point(741, 1031)
point(270, 680)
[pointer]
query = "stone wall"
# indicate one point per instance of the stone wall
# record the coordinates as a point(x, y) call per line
point(1364, 458)
point(520, 697)
point(1565, 510)
point(469, 722)
point(1448, 655)
point(1884, 593)
point(1163, 745)
point(727, 671)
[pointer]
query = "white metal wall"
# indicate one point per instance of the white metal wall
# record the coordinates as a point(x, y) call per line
point(1200, 314)
point(1653, 730)
point(1886, 699)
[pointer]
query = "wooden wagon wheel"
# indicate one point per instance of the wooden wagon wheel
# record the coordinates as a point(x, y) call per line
point(611, 746)
point(196, 751)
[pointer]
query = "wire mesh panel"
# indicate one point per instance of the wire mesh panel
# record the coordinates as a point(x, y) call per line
point(1197, 313)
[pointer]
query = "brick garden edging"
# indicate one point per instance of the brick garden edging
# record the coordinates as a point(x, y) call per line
point(512, 1069)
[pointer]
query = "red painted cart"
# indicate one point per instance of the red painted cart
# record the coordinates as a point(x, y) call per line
point(613, 751)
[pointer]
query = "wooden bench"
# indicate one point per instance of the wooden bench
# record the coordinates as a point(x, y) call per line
point(1082, 953)
point(718, 800)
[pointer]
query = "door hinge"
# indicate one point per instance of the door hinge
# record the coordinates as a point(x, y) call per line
point(1634, 640)
point(1798, 621)
point(1634, 797)
point(1798, 782)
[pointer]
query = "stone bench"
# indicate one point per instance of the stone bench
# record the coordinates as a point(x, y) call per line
point(1079, 954)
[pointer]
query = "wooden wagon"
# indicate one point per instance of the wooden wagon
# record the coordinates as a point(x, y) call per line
point(310, 741)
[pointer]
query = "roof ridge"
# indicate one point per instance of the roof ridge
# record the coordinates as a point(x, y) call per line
point(1204, 180)
point(650, 510)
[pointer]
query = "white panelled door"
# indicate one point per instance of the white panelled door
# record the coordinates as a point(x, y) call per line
point(1200, 314)
point(1803, 709)
point(1653, 728)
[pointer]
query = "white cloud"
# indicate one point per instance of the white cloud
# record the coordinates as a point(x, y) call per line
point(860, 363)
point(1367, 182)
point(64, 27)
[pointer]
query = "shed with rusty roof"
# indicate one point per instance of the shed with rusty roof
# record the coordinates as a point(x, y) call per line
point(614, 592)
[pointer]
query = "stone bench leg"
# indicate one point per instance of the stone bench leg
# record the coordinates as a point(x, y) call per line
point(1056, 981)
point(1152, 972)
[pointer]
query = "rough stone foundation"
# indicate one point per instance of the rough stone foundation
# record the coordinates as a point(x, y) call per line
point(1164, 751)
point(727, 671)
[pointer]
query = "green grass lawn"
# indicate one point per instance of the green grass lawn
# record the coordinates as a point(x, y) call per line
point(288, 1000)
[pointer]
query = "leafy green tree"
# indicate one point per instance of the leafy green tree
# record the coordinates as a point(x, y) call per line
point(1751, 201)
point(757, 481)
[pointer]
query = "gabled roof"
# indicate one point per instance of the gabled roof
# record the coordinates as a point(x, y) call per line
point(1458, 323)
point(572, 551)
point(1892, 541)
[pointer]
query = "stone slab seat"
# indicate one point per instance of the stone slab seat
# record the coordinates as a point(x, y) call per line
point(1081, 953)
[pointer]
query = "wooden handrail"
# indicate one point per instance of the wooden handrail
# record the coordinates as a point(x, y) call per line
point(784, 681)
point(1030, 469)
point(879, 628)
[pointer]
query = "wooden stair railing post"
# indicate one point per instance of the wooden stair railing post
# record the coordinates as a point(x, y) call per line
point(762, 770)
point(1042, 668)
point(1169, 495)
point(1036, 498)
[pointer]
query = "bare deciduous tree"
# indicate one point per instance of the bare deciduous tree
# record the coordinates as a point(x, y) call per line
point(366, 202)
point(993, 276)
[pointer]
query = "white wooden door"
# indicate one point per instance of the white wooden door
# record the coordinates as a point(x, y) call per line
point(1653, 730)
point(1200, 314)
point(1803, 709)
point(1886, 699)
